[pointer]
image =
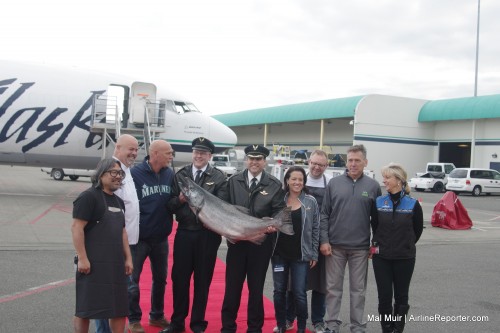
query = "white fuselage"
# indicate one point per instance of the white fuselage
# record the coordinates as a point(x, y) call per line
point(45, 114)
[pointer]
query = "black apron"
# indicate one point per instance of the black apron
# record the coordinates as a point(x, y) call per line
point(316, 278)
point(103, 293)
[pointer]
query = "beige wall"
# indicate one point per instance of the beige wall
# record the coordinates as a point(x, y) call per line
point(388, 126)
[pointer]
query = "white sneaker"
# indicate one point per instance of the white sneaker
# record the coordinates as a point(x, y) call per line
point(289, 326)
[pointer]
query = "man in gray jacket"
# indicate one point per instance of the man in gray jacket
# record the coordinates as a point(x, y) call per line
point(347, 210)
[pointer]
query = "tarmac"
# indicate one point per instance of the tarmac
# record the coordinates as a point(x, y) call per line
point(454, 286)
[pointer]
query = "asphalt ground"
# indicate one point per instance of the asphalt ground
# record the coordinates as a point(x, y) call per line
point(455, 283)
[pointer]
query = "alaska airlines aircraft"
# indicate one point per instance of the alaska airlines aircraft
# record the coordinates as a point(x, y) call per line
point(56, 117)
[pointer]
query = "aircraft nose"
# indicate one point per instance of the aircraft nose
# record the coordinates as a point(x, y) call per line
point(222, 136)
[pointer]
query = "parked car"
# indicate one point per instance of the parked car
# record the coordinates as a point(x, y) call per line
point(429, 181)
point(221, 162)
point(73, 174)
point(334, 172)
point(337, 160)
point(301, 157)
point(237, 158)
point(474, 180)
point(438, 168)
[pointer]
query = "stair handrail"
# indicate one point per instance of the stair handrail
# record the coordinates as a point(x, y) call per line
point(118, 123)
point(146, 129)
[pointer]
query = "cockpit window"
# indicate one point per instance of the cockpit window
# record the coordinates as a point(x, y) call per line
point(182, 107)
point(192, 107)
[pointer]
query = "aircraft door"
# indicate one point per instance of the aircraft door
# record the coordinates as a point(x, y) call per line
point(117, 103)
point(143, 95)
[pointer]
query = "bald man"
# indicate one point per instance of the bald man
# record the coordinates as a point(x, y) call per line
point(153, 183)
point(126, 153)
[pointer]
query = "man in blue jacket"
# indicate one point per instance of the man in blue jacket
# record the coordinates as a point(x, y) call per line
point(153, 183)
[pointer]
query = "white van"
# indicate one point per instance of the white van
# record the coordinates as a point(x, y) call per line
point(474, 180)
point(73, 174)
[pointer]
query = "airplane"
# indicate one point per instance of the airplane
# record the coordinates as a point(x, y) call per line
point(69, 118)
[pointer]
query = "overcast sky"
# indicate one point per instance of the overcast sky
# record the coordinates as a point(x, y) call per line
point(229, 55)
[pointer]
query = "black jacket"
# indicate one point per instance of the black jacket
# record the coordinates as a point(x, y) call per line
point(266, 200)
point(213, 180)
point(398, 227)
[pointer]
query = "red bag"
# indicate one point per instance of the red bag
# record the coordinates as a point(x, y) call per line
point(449, 213)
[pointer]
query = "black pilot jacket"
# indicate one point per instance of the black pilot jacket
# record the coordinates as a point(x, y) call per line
point(213, 180)
point(266, 200)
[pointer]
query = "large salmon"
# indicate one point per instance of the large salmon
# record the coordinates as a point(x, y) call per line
point(228, 220)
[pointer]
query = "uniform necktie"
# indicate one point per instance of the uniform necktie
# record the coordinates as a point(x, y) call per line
point(254, 184)
point(198, 176)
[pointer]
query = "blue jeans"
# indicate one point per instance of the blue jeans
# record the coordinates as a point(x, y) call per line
point(158, 256)
point(298, 275)
point(290, 307)
point(102, 326)
point(317, 307)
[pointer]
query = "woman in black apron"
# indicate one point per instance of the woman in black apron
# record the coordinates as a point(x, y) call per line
point(104, 259)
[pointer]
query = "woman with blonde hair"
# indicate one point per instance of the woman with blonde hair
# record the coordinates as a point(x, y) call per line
point(398, 227)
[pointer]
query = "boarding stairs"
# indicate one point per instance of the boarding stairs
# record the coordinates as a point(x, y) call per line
point(107, 120)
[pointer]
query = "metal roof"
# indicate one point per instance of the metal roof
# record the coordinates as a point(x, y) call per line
point(461, 109)
point(326, 109)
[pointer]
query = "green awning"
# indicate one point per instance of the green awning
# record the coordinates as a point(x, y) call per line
point(467, 108)
point(326, 109)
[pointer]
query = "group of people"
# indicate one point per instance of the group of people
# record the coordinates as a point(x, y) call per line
point(350, 205)
point(127, 214)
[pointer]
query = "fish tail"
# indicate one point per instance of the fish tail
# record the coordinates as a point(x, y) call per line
point(286, 221)
point(287, 227)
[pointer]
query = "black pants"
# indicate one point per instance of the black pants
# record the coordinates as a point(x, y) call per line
point(392, 274)
point(195, 253)
point(245, 260)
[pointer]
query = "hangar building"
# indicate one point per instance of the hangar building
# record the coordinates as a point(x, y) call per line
point(464, 131)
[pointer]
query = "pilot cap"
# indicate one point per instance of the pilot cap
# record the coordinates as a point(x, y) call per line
point(204, 144)
point(256, 151)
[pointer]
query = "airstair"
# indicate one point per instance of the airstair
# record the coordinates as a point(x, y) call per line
point(140, 116)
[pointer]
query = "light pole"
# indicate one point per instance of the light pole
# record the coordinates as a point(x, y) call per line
point(477, 47)
point(473, 141)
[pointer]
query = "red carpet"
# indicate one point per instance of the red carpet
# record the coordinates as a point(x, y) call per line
point(214, 302)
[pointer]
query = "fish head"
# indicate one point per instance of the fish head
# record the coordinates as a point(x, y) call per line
point(193, 193)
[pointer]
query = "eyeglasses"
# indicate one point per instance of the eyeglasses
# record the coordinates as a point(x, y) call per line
point(317, 165)
point(115, 173)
